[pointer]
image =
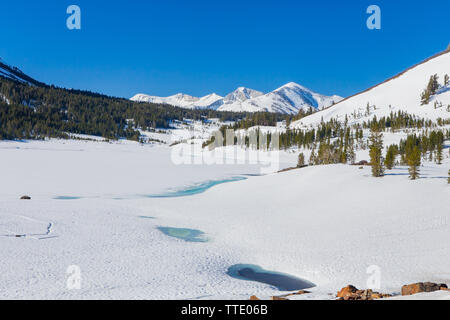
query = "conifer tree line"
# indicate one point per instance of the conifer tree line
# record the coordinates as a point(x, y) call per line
point(334, 142)
point(32, 112)
point(339, 140)
point(412, 151)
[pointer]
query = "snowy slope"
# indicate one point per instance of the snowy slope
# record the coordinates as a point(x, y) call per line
point(288, 99)
point(301, 222)
point(178, 100)
point(401, 92)
point(13, 73)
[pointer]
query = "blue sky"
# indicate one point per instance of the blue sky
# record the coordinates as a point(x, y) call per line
point(199, 47)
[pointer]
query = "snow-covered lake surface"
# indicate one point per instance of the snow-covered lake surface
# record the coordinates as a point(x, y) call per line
point(323, 224)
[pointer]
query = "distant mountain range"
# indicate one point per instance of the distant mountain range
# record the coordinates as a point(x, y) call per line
point(288, 99)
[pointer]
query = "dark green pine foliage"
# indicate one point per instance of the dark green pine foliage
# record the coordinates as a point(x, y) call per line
point(375, 152)
point(431, 89)
point(414, 163)
point(391, 154)
point(439, 155)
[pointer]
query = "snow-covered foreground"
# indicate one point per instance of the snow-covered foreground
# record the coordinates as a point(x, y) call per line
point(325, 224)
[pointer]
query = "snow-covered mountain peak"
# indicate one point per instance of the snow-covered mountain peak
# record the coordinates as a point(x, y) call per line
point(242, 94)
point(292, 85)
point(288, 99)
point(185, 98)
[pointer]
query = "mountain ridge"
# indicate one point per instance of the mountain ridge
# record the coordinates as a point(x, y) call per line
point(14, 73)
point(288, 99)
point(400, 92)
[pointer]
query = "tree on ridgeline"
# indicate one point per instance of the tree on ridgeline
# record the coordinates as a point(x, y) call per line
point(375, 152)
point(432, 87)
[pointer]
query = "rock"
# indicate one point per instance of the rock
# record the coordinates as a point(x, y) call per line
point(414, 288)
point(366, 294)
point(352, 293)
point(347, 292)
point(254, 298)
point(376, 296)
point(278, 298)
point(300, 292)
point(25, 198)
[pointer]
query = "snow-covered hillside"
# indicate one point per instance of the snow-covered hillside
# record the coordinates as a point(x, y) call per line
point(401, 92)
point(288, 99)
point(15, 74)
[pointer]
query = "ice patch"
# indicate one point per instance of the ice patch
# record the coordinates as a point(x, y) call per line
point(195, 189)
point(189, 235)
point(281, 281)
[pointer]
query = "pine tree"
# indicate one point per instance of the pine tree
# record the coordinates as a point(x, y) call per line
point(432, 87)
point(391, 154)
point(301, 160)
point(439, 155)
point(414, 163)
point(351, 152)
point(375, 152)
point(446, 80)
point(433, 84)
point(313, 157)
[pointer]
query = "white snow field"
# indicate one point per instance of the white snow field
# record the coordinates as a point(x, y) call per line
point(325, 224)
point(400, 93)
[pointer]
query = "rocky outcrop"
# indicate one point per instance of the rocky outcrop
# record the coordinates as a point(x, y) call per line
point(253, 298)
point(25, 198)
point(352, 293)
point(414, 288)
